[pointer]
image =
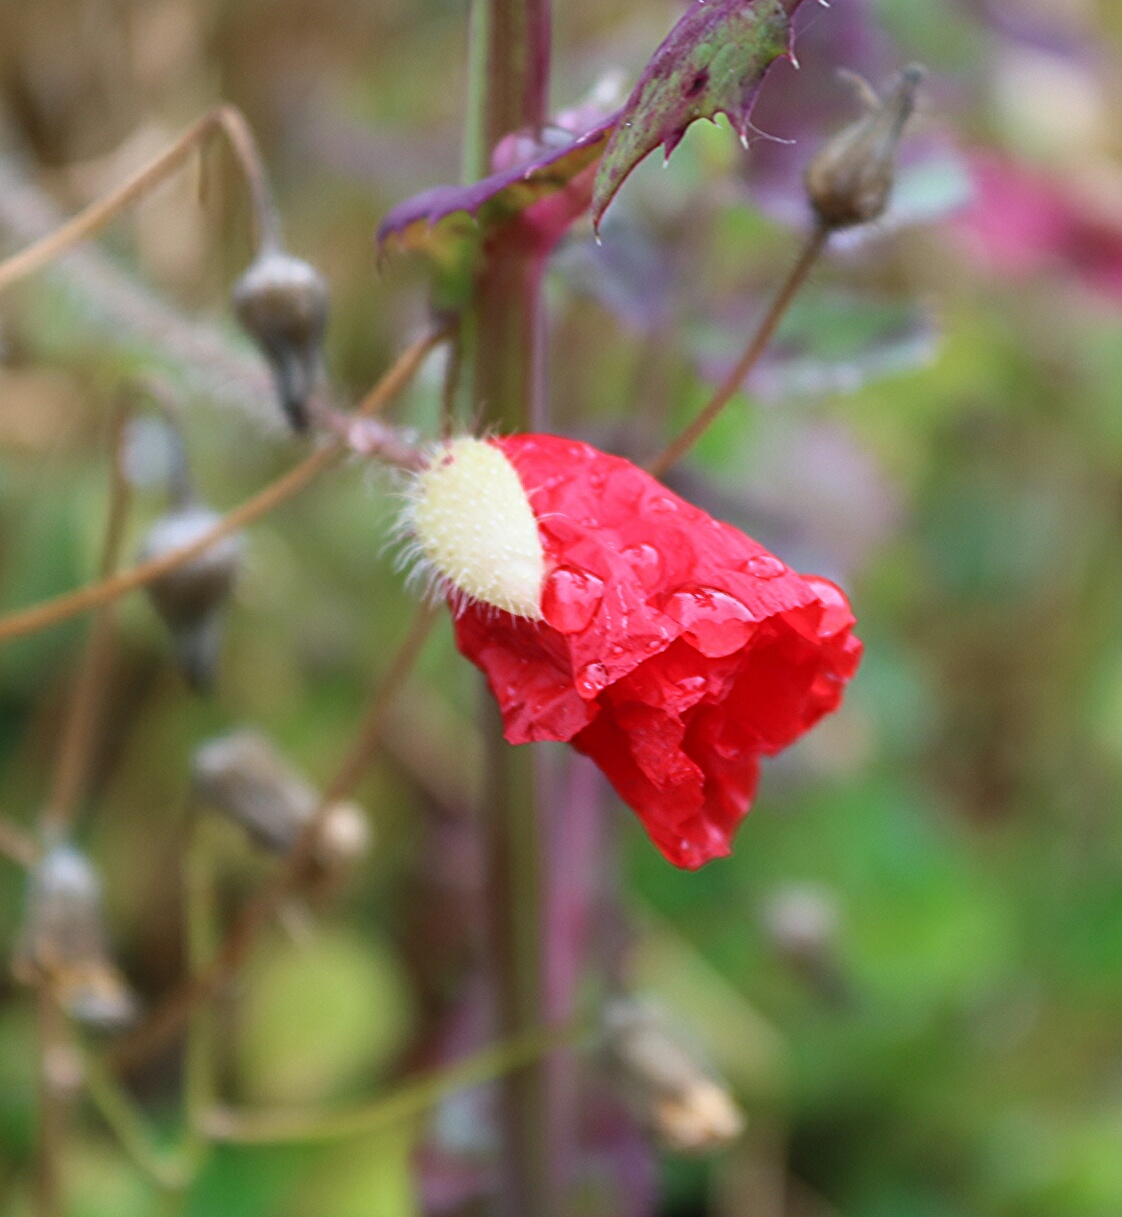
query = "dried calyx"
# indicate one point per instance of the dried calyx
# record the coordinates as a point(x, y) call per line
point(668, 1089)
point(191, 597)
point(849, 181)
point(282, 303)
point(243, 776)
point(63, 944)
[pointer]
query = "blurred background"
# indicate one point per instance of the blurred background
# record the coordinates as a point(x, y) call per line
point(910, 972)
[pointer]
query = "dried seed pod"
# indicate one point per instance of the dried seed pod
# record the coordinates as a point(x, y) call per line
point(190, 598)
point(246, 778)
point(685, 1107)
point(850, 180)
point(63, 942)
point(282, 302)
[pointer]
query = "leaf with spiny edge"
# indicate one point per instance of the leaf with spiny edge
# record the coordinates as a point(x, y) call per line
point(712, 62)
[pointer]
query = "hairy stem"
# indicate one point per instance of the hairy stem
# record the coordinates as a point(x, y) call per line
point(70, 604)
point(756, 346)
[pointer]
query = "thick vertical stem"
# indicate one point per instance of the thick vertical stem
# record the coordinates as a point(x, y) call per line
point(509, 91)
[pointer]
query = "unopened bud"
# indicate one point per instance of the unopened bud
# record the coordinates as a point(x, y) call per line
point(681, 1103)
point(475, 529)
point(246, 778)
point(850, 180)
point(190, 598)
point(801, 919)
point(63, 942)
point(282, 303)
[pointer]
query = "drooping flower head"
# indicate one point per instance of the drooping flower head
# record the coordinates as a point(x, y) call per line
point(608, 613)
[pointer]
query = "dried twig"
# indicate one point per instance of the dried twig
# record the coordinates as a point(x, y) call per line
point(70, 604)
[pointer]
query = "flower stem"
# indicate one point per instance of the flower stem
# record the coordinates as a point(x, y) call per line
point(503, 340)
point(757, 344)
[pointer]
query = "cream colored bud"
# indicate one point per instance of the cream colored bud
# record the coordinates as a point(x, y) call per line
point(472, 521)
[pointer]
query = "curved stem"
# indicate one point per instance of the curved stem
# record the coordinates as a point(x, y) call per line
point(757, 344)
point(70, 604)
point(92, 219)
point(166, 1019)
point(80, 731)
point(413, 1098)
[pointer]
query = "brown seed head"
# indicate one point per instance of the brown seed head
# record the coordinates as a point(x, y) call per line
point(850, 180)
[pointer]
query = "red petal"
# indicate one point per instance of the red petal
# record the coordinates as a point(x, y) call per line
point(674, 650)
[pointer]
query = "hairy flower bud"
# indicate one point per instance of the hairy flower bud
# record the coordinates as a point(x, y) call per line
point(246, 778)
point(63, 942)
point(190, 598)
point(282, 302)
point(667, 1089)
point(850, 180)
point(474, 527)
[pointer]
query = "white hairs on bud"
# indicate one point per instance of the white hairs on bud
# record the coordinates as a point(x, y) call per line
point(472, 531)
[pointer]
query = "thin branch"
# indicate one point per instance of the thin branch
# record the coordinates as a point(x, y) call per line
point(17, 845)
point(92, 219)
point(80, 731)
point(167, 1169)
point(166, 1019)
point(409, 1101)
point(70, 604)
point(368, 737)
point(53, 1106)
point(757, 344)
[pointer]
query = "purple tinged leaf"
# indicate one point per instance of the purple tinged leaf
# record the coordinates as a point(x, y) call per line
point(532, 202)
point(712, 62)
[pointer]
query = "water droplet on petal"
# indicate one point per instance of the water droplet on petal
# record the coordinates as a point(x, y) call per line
point(591, 679)
point(645, 561)
point(766, 566)
point(570, 599)
point(714, 622)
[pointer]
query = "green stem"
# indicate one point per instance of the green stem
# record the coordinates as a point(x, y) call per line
point(168, 1170)
point(509, 92)
point(202, 944)
point(412, 1099)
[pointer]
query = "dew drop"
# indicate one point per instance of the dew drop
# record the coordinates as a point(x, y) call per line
point(766, 566)
point(570, 599)
point(591, 679)
point(645, 561)
point(714, 622)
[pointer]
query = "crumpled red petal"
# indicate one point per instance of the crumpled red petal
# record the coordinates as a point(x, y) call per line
point(674, 650)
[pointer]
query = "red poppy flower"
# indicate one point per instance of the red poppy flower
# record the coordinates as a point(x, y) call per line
point(669, 647)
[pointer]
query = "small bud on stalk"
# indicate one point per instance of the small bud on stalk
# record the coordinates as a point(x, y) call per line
point(246, 778)
point(191, 597)
point(282, 302)
point(801, 920)
point(63, 942)
point(850, 180)
point(667, 1089)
